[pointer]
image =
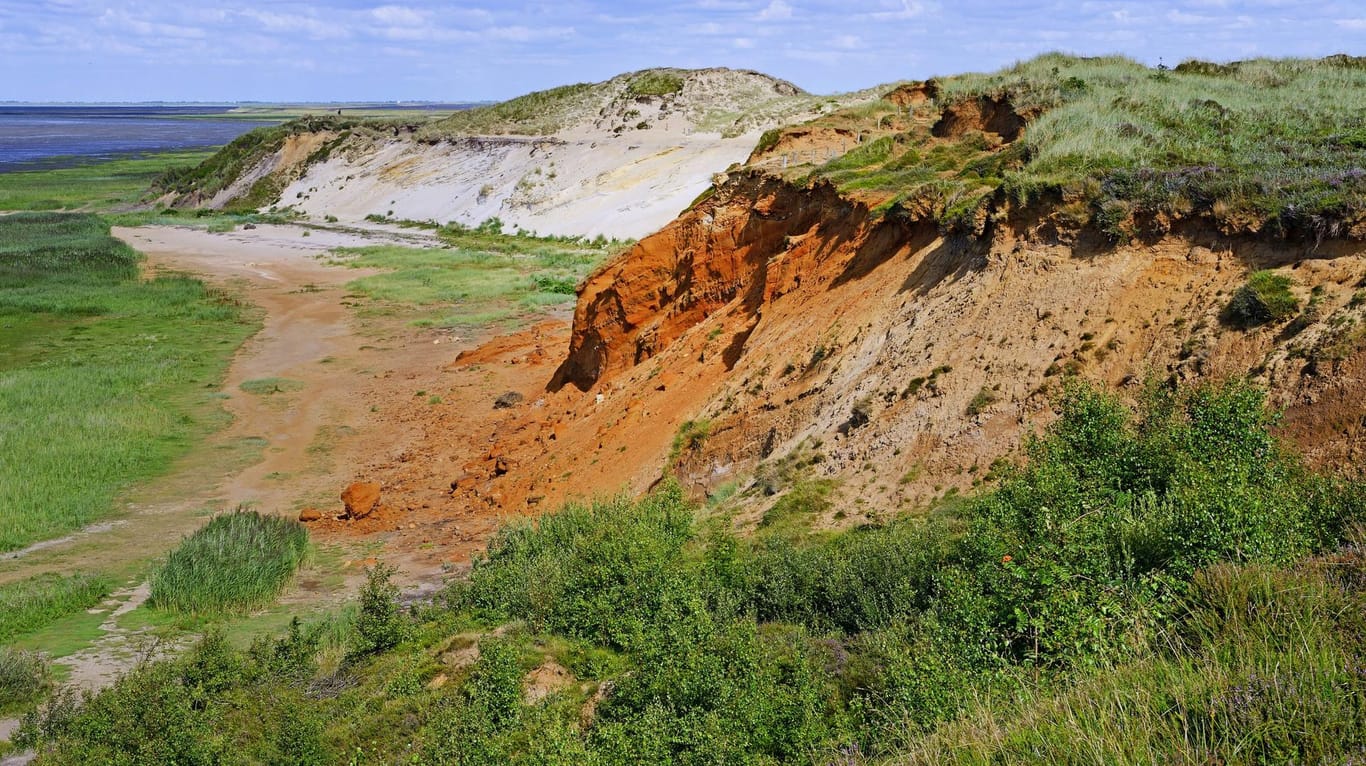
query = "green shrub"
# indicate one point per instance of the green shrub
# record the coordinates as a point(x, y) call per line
point(379, 623)
point(238, 561)
point(24, 677)
point(604, 572)
point(1265, 298)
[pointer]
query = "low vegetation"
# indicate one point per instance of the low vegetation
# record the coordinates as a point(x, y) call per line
point(24, 679)
point(93, 186)
point(1167, 583)
point(1262, 145)
point(32, 604)
point(121, 366)
point(482, 276)
point(1265, 298)
point(655, 83)
point(236, 562)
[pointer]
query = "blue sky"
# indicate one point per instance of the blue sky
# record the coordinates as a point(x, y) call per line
point(128, 50)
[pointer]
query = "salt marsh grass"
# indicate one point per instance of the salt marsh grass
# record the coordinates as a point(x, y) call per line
point(236, 562)
point(105, 377)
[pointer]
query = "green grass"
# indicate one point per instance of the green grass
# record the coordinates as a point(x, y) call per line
point(483, 276)
point(1262, 145)
point(271, 386)
point(539, 113)
point(123, 368)
point(32, 604)
point(655, 83)
point(1265, 298)
point(237, 562)
point(93, 186)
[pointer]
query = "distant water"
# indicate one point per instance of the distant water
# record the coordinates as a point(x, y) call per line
point(33, 137)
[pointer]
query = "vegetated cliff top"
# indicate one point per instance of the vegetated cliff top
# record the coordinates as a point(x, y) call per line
point(717, 100)
point(1263, 145)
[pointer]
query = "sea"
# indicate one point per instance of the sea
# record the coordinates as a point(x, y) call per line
point(41, 137)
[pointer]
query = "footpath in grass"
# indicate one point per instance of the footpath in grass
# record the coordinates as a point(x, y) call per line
point(107, 377)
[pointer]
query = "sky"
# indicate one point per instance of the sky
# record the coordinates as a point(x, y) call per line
point(475, 50)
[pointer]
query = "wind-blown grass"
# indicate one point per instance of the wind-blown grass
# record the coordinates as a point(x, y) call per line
point(236, 562)
point(105, 378)
point(31, 604)
point(1258, 145)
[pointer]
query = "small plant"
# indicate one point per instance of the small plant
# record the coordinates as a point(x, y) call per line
point(690, 437)
point(984, 398)
point(1265, 298)
point(380, 623)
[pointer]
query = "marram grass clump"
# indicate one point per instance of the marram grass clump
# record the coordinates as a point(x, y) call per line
point(238, 561)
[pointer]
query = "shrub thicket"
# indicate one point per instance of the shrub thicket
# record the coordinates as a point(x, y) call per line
point(1166, 583)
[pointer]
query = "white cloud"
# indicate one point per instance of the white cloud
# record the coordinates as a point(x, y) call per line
point(777, 10)
point(900, 10)
point(399, 16)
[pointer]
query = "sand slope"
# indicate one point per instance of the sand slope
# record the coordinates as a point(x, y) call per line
point(623, 186)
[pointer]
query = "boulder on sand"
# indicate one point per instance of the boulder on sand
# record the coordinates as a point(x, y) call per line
point(310, 514)
point(360, 499)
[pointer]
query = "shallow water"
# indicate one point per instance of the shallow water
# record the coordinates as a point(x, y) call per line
point(33, 137)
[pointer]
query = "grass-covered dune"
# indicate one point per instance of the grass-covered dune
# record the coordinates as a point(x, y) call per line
point(105, 377)
point(1265, 145)
point(1159, 584)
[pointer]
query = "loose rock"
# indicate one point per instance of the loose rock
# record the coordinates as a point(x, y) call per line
point(360, 499)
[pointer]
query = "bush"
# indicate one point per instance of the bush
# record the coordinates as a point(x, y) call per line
point(605, 572)
point(238, 561)
point(24, 677)
point(380, 623)
point(1265, 298)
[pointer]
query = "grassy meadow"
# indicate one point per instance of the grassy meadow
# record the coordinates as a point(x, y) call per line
point(480, 277)
point(1166, 583)
point(1262, 145)
point(120, 367)
point(91, 186)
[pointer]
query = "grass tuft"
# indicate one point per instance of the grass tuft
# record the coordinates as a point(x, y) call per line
point(236, 562)
point(29, 605)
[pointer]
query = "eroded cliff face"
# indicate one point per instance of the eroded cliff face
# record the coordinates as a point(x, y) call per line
point(726, 254)
point(871, 349)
